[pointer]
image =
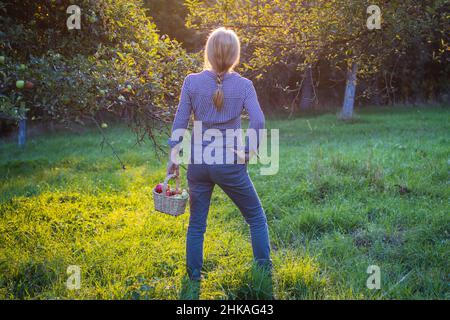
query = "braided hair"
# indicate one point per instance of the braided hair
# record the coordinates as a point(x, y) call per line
point(222, 52)
point(218, 97)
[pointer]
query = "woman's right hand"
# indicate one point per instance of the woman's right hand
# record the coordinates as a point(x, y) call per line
point(173, 167)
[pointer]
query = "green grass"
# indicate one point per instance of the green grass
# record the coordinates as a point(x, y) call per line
point(348, 195)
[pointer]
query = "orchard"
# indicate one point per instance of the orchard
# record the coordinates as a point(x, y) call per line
point(355, 98)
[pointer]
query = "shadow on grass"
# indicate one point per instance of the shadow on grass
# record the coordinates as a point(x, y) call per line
point(255, 284)
point(32, 278)
point(190, 290)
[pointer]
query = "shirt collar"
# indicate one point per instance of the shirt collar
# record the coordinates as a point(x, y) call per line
point(213, 74)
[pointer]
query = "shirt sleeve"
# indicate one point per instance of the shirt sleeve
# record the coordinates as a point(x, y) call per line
point(182, 116)
point(257, 119)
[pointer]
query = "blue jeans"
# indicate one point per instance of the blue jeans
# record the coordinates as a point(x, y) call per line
point(234, 180)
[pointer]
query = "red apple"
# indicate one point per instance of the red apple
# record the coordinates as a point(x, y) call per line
point(158, 188)
point(29, 85)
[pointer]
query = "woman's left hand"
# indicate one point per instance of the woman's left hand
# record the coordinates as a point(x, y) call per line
point(243, 157)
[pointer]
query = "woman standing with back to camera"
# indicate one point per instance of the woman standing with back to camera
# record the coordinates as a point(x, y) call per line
point(217, 97)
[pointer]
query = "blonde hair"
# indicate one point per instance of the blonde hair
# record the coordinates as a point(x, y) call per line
point(222, 52)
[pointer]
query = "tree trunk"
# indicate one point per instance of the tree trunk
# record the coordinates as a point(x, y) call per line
point(350, 89)
point(307, 91)
point(22, 132)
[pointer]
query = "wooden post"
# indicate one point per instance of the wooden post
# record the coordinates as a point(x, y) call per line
point(22, 132)
point(350, 89)
point(307, 91)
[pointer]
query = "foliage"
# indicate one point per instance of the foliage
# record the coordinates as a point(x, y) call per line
point(116, 63)
point(169, 17)
point(348, 195)
point(284, 37)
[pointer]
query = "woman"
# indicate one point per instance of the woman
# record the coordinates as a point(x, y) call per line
point(217, 97)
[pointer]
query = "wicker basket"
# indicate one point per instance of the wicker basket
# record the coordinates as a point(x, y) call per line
point(166, 204)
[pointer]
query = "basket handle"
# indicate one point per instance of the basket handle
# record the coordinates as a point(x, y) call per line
point(167, 179)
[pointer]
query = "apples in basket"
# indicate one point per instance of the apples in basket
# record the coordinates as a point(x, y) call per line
point(170, 201)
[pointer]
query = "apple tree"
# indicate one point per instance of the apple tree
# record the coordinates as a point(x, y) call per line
point(115, 63)
point(331, 38)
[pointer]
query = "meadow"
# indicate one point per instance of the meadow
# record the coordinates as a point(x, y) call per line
point(373, 191)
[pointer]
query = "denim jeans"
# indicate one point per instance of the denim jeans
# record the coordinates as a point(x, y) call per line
point(234, 180)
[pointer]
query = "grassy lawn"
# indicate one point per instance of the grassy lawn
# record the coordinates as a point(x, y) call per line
point(347, 196)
